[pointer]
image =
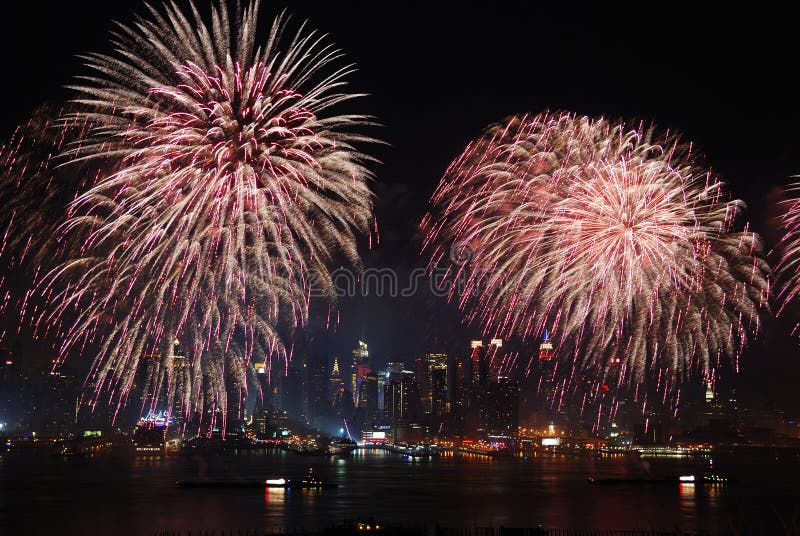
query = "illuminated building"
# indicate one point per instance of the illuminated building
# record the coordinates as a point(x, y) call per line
point(546, 351)
point(440, 403)
point(485, 365)
point(476, 361)
point(709, 392)
point(494, 360)
point(261, 408)
point(401, 398)
point(546, 369)
point(392, 372)
point(262, 375)
point(360, 365)
point(278, 424)
point(485, 361)
point(11, 388)
point(335, 379)
point(431, 376)
point(361, 375)
point(368, 399)
point(150, 435)
point(381, 434)
point(260, 423)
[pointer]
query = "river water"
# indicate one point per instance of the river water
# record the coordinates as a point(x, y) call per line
point(118, 494)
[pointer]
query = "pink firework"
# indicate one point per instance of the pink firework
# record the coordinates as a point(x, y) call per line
point(614, 237)
point(233, 187)
point(788, 267)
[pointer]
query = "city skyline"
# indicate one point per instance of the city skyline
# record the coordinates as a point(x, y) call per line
point(401, 183)
point(330, 268)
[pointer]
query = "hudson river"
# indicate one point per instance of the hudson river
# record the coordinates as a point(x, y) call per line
point(116, 494)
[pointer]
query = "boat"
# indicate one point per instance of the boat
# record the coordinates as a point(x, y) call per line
point(341, 445)
point(150, 435)
point(69, 451)
point(307, 482)
point(670, 480)
point(306, 447)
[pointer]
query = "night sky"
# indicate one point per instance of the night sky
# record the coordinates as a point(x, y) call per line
point(438, 74)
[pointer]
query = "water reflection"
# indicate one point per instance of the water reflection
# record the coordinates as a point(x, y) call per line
point(688, 502)
point(140, 495)
point(275, 497)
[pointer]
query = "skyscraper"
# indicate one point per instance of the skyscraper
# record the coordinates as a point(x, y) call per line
point(431, 372)
point(368, 398)
point(476, 348)
point(457, 379)
point(546, 367)
point(262, 376)
point(401, 398)
point(359, 368)
point(494, 360)
point(393, 371)
point(485, 367)
point(546, 351)
point(503, 408)
point(181, 380)
point(319, 399)
point(334, 380)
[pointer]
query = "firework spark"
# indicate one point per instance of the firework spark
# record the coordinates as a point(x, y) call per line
point(35, 192)
point(788, 267)
point(233, 185)
point(614, 237)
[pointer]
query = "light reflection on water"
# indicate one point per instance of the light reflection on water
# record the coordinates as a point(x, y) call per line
point(113, 494)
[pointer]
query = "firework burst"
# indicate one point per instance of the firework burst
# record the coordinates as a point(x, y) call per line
point(788, 266)
point(232, 185)
point(614, 237)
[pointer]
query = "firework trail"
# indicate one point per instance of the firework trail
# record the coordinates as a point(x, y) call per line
point(234, 183)
point(35, 193)
point(613, 237)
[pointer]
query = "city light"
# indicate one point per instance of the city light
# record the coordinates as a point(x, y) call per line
point(563, 297)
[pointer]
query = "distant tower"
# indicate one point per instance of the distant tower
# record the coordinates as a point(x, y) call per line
point(181, 379)
point(494, 360)
point(262, 374)
point(546, 351)
point(431, 376)
point(457, 378)
point(503, 408)
point(547, 368)
point(360, 366)
point(709, 392)
point(475, 363)
point(334, 380)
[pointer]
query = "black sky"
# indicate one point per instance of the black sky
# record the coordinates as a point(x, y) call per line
point(438, 73)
